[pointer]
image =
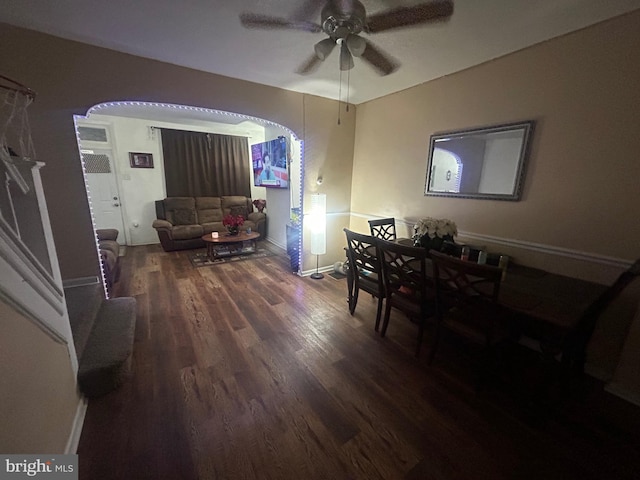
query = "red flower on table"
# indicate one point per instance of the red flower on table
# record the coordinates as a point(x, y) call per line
point(233, 221)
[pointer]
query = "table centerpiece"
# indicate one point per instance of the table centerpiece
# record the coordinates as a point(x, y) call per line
point(431, 233)
point(233, 223)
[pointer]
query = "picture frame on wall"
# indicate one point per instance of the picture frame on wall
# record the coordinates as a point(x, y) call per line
point(141, 160)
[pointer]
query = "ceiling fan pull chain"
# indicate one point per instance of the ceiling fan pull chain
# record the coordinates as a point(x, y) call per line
point(348, 83)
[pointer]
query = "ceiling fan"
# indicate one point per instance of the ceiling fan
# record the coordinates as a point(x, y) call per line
point(343, 21)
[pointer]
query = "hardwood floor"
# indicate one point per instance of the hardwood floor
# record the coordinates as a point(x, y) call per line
point(246, 371)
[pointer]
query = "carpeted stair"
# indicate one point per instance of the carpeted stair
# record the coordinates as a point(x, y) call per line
point(103, 332)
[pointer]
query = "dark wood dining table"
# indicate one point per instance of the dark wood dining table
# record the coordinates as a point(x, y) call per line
point(546, 307)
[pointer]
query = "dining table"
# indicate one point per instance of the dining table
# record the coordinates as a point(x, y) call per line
point(545, 307)
point(548, 307)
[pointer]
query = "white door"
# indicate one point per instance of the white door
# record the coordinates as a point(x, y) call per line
point(103, 190)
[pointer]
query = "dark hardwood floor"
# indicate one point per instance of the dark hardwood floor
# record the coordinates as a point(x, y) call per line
point(246, 371)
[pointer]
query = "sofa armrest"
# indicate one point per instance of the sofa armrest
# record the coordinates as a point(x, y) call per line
point(162, 225)
point(257, 217)
point(107, 234)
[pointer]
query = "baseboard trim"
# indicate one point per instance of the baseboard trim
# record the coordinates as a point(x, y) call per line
point(306, 273)
point(281, 247)
point(76, 428)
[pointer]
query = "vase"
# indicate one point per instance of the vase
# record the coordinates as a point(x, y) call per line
point(233, 230)
point(434, 243)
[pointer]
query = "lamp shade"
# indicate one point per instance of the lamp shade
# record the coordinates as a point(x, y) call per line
point(346, 60)
point(324, 47)
point(318, 224)
point(356, 45)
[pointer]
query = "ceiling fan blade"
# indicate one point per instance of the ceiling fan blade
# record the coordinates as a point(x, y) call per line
point(309, 66)
point(307, 9)
point(437, 10)
point(254, 20)
point(383, 64)
point(324, 48)
point(356, 44)
point(346, 60)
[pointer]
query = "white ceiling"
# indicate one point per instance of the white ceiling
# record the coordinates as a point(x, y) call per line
point(207, 35)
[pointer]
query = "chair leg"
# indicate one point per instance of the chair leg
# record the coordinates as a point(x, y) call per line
point(354, 301)
point(378, 313)
point(387, 314)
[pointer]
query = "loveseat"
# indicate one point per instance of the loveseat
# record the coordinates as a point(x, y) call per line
point(181, 221)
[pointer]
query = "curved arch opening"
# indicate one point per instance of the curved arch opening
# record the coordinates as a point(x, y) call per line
point(446, 171)
point(122, 197)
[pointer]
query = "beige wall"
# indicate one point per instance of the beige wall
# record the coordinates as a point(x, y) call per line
point(329, 154)
point(581, 188)
point(70, 77)
point(580, 192)
point(38, 397)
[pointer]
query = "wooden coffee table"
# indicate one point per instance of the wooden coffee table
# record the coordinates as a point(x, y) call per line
point(226, 245)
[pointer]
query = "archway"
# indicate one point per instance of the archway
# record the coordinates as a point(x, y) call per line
point(116, 129)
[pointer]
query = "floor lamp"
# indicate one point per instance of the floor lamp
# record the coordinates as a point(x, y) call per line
point(318, 221)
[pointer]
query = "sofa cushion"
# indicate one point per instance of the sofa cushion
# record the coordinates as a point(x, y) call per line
point(110, 245)
point(235, 201)
point(172, 204)
point(185, 232)
point(209, 209)
point(184, 216)
point(213, 227)
point(239, 211)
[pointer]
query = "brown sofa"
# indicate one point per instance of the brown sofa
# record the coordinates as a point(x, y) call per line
point(109, 249)
point(181, 221)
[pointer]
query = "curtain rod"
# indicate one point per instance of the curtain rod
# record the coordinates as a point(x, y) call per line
point(185, 130)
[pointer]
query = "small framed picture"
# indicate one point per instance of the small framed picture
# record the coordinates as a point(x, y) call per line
point(141, 160)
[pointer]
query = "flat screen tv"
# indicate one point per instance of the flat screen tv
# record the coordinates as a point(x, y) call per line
point(271, 163)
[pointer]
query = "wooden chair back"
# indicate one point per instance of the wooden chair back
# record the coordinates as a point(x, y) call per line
point(383, 228)
point(408, 284)
point(365, 269)
point(576, 344)
point(459, 281)
point(467, 301)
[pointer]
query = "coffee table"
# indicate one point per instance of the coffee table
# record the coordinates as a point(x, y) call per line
point(227, 245)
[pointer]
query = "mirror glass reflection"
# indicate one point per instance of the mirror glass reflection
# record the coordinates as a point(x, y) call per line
point(479, 163)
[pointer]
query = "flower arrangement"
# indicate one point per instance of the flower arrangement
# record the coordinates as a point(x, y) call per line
point(233, 223)
point(260, 204)
point(431, 232)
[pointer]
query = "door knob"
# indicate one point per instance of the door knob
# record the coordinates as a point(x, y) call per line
point(116, 204)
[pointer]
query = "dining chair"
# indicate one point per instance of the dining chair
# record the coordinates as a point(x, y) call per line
point(575, 347)
point(364, 270)
point(408, 285)
point(467, 303)
point(383, 228)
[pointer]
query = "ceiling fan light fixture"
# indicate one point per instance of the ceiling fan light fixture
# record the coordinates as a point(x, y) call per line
point(356, 45)
point(346, 60)
point(324, 47)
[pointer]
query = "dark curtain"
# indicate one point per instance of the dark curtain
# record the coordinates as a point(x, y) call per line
point(205, 164)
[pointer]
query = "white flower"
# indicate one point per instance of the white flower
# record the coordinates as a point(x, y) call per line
point(434, 227)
